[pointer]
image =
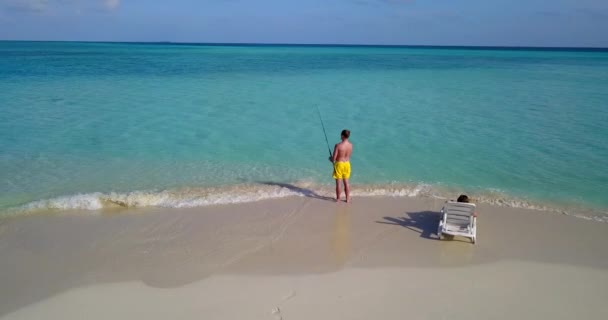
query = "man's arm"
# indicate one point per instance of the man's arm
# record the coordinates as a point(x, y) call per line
point(335, 155)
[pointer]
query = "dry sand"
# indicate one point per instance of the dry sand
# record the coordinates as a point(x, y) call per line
point(301, 258)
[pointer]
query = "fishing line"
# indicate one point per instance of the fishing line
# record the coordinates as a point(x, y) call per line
point(325, 133)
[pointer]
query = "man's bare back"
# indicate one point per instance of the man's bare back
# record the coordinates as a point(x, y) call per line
point(342, 151)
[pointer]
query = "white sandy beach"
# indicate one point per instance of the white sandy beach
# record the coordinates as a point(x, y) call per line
point(301, 258)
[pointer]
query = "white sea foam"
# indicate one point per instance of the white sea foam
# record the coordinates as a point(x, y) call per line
point(199, 197)
point(183, 198)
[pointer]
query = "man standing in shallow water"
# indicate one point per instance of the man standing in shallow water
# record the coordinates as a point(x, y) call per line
point(341, 161)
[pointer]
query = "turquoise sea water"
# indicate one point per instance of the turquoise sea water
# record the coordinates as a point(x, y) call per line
point(186, 125)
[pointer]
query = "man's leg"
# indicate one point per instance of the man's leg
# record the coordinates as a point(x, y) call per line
point(338, 189)
point(347, 190)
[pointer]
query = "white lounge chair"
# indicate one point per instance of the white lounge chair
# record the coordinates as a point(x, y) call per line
point(457, 219)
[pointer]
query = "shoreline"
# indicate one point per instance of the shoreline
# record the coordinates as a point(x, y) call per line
point(308, 257)
point(199, 197)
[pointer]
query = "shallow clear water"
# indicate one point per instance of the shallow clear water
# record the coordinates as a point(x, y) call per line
point(80, 118)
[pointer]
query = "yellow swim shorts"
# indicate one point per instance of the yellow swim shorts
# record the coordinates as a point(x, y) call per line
point(341, 170)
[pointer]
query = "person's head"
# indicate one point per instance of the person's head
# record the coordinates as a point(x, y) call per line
point(345, 134)
point(463, 198)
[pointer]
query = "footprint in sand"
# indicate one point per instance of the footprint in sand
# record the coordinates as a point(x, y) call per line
point(276, 313)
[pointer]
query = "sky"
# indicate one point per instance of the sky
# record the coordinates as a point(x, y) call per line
point(562, 23)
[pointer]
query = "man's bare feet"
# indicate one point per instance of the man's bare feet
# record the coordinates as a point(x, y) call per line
point(337, 200)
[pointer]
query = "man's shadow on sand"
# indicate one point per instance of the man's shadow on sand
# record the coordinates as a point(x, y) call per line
point(302, 191)
point(423, 222)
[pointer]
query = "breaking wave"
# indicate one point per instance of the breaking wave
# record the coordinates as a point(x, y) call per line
point(200, 197)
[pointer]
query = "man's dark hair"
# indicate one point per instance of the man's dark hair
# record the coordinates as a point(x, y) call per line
point(346, 133)
point(463, 198)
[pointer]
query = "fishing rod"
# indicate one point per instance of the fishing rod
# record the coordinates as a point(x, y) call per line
point(325, 133)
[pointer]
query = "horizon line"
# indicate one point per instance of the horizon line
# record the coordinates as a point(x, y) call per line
point(516, 47)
